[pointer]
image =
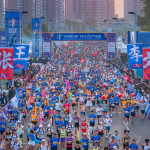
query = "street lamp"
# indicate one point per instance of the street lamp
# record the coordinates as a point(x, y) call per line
point(134, 13)
point(49, 24)
point(116, 32)
point(23, 12)
point(107, 25)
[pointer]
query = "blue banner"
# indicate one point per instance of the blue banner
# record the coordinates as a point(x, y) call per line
point(36, 37)
point(144, 38)
point(2, 38)
point(21, 56)
point(12, 28)
point(78, 36)
point(135, 56)
point(46, 43)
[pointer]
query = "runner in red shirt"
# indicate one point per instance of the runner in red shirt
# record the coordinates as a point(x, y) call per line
point(83, 126)
point(66, 106)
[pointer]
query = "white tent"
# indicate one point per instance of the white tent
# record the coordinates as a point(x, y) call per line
point(121, 46)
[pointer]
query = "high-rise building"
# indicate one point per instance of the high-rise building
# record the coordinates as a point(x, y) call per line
point(73, 10)
point(122, 7)
point(11, 4)
point(2, 17)
point(96, 11)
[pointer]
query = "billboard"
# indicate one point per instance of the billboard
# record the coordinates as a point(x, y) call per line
point(2, 38)
point(135, 56)
point(6, 63)
point(13, 28)
point(21, 56)
point(146, 63)
point(36, 37)
point(46, 38)
point(111, 45)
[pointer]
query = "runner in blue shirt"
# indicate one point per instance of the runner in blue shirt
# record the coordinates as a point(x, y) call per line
point(52, 103)
point(133, 111)
point(112, 104)
point(15, 114)
point(2, 126)
point(96, 138)
point(92, 118)
point(31, 142)
point(117, 100)
point(85, 142)
point(133, 146)
point(56, 117)
point(46, 111)
point(59, 124)
point(54, 141)
point(126, 114)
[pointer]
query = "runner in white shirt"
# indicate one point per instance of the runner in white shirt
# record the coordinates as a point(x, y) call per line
point(99, 110)
point(43, 145)
point(146, 146)
point(107, 122)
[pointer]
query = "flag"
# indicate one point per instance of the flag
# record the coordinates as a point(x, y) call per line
point(95, 53)
point(73, 53)
point(82, 61)
point(135, 56)
point(146, 63)
point(21, 56)
point(75, 71)
point(6, 63)
point(68, 85)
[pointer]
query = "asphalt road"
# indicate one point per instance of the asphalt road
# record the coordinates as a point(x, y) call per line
point(140, 130)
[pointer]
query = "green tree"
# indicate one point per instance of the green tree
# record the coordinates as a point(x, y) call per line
point(144, 21)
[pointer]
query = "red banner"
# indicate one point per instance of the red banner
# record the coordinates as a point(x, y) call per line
point(6, 63)
point(146, 63)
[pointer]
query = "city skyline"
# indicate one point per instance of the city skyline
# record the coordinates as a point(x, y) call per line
point(56, 13)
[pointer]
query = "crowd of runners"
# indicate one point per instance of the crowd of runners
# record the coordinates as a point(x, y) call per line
point(70, 104)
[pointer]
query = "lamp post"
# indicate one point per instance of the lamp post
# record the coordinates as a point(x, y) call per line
point(106, 25)
point(23, 12)
point(49, 24)
point(116, 32)
point(134, 13)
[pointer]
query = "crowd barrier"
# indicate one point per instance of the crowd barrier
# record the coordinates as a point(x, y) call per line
point(14, 102)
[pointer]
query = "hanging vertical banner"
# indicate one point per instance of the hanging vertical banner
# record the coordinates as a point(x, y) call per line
point(6, 63)
point(12, 28)
point(36, 37)
point(21, 56)
point(20, 26)
point(2, 38)
point(46, 37)
point(111, 45)
point(135, 56)
point(146, 63)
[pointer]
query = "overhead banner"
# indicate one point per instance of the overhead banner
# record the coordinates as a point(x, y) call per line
point(46, 38)
point(111, 45)
point(21, 56)
point(36, 37)
point(2, 38)
point(146, 63)
point(78, 36)
point(135, 56)
point(13, 28)
point(6, 63)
